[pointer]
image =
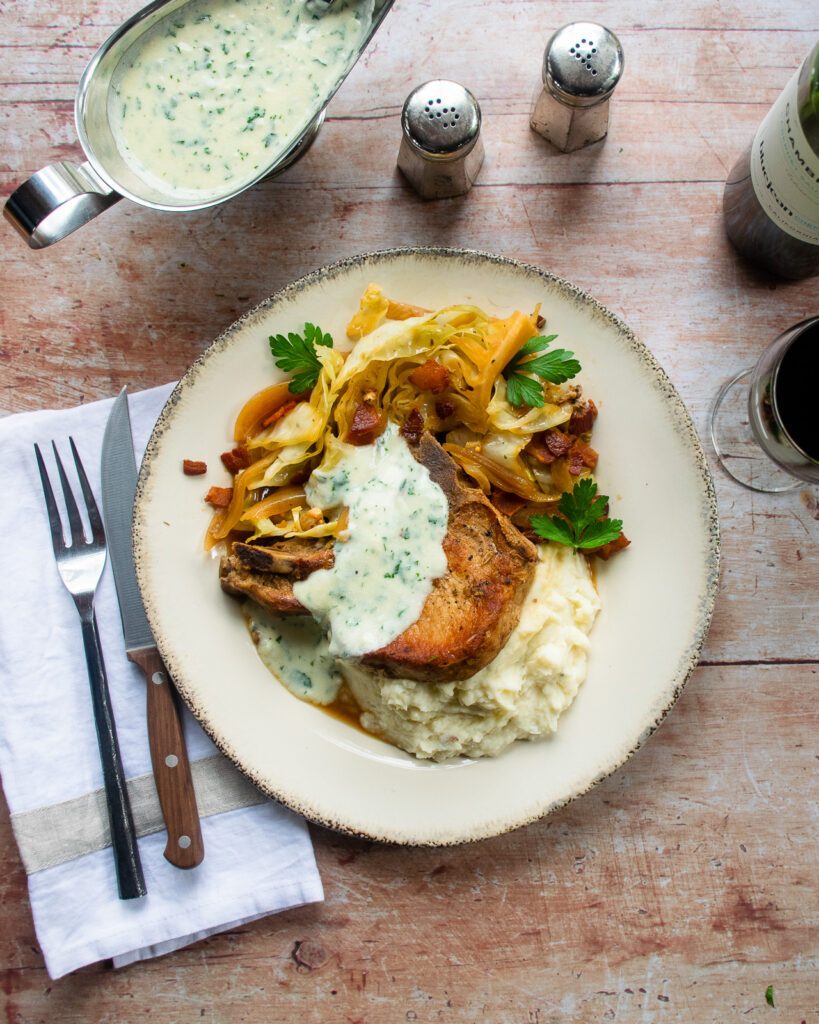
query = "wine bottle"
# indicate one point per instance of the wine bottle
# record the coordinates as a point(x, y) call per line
point(771, 198)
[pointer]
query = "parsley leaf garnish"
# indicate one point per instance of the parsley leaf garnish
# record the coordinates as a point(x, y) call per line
point(556, 366)
point(582, 524)
point(769, 996)
point(297, 355)
point(522, 390)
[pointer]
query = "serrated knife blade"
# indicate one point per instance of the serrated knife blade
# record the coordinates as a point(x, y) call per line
point(169, 756)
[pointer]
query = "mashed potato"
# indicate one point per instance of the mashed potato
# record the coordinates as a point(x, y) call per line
point(519, 695)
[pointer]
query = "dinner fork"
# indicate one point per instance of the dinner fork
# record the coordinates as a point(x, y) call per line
point(80, 565)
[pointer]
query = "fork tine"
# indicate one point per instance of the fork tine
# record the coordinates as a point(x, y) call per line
point(57, 539)
point(97, 530)
point(74, 520)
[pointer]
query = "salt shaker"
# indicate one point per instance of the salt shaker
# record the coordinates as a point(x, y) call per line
point(582, 64)
point(441, 147)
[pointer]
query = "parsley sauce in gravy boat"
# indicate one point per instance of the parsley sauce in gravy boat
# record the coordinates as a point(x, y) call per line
point(190, 102)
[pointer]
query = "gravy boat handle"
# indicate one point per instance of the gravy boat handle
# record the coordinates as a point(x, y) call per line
point(56, 201)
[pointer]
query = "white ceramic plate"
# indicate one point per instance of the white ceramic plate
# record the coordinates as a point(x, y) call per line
point(657, 597)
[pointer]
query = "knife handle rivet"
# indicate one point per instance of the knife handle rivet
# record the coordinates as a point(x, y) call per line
point(158, 678)
point(184, 842)
point(172, 760)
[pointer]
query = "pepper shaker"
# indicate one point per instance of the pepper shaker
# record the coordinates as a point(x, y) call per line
point(441, 148)
point(582, 64)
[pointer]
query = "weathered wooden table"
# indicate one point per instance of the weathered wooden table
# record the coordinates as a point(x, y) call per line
point(683, 886)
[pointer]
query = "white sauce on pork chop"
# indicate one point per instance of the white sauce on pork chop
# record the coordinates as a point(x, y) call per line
point(384, 572)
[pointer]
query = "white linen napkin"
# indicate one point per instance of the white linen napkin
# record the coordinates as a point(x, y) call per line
point(258, 855)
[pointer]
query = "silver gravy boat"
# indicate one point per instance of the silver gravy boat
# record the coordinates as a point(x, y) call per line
point(63, 196)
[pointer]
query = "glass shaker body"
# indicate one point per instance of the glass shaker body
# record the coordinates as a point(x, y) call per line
point(441, 148)
point(582, 64)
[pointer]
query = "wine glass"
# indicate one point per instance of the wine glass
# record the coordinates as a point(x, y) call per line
point(765, 420)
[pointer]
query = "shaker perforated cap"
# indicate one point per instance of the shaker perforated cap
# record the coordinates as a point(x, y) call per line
point(582, 63)
point(441, 119)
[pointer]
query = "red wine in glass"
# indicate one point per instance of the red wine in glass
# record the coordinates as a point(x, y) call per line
point(765, 421)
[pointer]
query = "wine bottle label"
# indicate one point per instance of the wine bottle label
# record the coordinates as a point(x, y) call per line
point(785, 170)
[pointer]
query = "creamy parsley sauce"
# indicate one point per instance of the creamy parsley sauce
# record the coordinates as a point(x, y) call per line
point(213, 94)
point(296, 650)
point(384, 572)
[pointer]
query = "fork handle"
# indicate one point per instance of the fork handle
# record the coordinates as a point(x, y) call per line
point(169, 757)
point(130, 880)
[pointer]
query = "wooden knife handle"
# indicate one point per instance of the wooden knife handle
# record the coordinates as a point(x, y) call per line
point(172, 770)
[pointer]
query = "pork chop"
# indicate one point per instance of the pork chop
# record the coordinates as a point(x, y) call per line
point(472, 608)
point(475, 605)
point(269, 589)
point(294, 556)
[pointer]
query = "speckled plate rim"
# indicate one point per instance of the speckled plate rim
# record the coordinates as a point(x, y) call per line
point(676, 408)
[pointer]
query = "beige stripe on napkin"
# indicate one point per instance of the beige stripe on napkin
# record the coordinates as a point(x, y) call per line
point(52, 835)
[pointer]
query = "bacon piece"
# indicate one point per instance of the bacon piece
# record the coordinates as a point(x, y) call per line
point(367, 425)
point(537, 449)
point(283, 410)
point(444, 408)
point(430, 376)
point(549, 445)
point(505, 502)
point(580, 455)
point(413, 427)
point(236, 460)
point(219, 497)
point(605, 551)
point(583, 417)
point(194, 467)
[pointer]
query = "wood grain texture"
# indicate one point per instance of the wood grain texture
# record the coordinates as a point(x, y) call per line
point(681, 887)
point(185, 847)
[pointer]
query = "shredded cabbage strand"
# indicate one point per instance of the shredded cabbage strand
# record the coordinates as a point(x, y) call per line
point(486, 435)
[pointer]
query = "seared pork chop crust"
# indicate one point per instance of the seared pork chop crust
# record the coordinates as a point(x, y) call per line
point(476, 604)
point(271, 590)
point(294, 556)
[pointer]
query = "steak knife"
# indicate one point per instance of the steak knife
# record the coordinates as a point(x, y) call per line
point(169, 756)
